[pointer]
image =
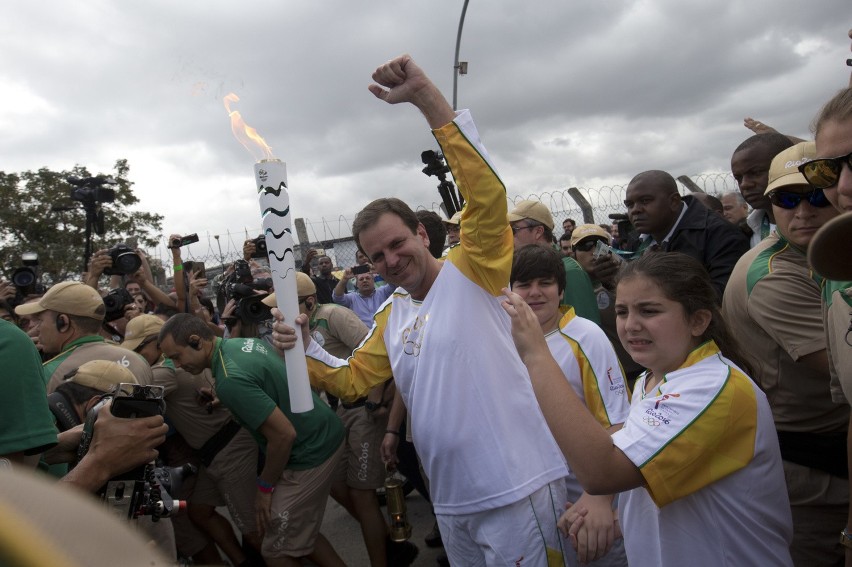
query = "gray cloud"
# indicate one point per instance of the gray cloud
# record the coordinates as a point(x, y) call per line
point(564, 93)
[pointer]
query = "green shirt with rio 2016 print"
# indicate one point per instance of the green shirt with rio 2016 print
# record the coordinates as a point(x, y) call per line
point(251, 380)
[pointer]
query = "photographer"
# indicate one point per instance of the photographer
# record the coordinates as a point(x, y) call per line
point(325, 282)
point(366, 299)
point(227, 452)
point(189, 286)
point(240, 296)
point(118, 445)
point(66, 323)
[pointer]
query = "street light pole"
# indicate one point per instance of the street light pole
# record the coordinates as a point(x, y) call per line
point(459, 68)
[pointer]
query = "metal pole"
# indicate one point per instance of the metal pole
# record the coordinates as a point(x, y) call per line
point(456, 66)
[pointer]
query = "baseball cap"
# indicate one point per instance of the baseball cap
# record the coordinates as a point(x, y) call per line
point(830, 252)
point(70, 298)
point(455, 219)
point(102, 375)
point(532, 210)
point(784, 169)
point(140, 328)
point(587, 230)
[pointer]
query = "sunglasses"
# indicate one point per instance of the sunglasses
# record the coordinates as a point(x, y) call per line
point(515, 229)
point(824, 172)
point(587, 245)
point(790, 200)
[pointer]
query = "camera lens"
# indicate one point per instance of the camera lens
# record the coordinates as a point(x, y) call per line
point(128, 262)
point(23, 277)
point(252, 310)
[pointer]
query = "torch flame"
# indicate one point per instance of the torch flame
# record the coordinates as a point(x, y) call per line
point(245, 134)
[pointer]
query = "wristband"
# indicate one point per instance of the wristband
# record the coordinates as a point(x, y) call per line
point(846, 538)
point(178, 267)
point(264, 486)
point(392, 432)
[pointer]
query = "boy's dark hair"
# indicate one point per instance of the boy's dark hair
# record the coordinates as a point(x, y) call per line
point(435, 229)
point(535, 261)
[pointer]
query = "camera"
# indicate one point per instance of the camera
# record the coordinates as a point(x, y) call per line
point(143, 491)
point(26, 279)
point(125, 260)
point(240, 286)
point(260, 247)
point(115, 301)
point(362, 269)
point(183, 241)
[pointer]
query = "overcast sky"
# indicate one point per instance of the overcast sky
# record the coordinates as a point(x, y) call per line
point(583, 93)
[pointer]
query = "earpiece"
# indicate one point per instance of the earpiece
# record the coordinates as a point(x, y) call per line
point(61, 323)
point(309, 305)
point(196, 344)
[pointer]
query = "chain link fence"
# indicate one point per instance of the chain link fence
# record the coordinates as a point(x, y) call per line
point(334, 236)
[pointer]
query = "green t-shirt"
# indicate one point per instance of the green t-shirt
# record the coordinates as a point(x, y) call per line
point(251, 380)
point(26, 423)
point(579, 293)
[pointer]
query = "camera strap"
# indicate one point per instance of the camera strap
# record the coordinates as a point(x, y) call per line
point(217, 442)
point(63, 411)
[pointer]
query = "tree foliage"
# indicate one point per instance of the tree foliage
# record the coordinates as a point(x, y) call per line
point(30, 223)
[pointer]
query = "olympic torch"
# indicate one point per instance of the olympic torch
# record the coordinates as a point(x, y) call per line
point(274, 200)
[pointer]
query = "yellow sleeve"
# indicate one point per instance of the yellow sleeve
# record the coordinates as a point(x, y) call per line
point(354, 377)
point(485, 251)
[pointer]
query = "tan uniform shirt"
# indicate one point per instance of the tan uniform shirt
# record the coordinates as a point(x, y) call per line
point(773, 306)
point(837, 307)
point(182, 408)
point(100, 351)
point(337, 329)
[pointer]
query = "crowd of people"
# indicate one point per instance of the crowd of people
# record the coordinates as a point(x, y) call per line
point(670, 389)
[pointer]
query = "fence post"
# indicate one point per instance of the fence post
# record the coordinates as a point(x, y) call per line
point(585, 206)
point(690, 184)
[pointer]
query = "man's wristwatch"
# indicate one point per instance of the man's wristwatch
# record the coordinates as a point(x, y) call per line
point(846, 538)
point(373, 406)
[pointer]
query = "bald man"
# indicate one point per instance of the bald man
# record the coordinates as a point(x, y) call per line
point(666, 221)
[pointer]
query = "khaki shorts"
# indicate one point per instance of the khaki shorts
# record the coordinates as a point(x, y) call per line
point(298, 506)
point(230, 481)
point(361, 464)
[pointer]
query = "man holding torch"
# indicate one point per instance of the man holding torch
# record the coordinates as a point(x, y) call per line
point(495, 470)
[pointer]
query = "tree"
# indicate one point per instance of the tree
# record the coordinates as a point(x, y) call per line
point(39, 215)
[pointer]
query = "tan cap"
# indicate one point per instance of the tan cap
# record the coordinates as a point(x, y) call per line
point(587, 230)
point(532, 210)
point(304, 287)
point(784, 170)
point(830, 250)
point(140, 328)
point(102, 375)
point(455, 219)
point(70, 298)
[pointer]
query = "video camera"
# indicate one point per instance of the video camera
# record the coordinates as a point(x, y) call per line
point(145, 490)
point(240, 286)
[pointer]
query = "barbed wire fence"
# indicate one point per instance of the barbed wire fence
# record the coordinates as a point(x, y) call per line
point(334, 236)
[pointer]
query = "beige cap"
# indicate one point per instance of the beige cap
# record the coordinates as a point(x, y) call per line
point(102, 375)
point(532, 210)
point(784, 170)
point(70, 298)
point(455, 219)
point(830, 250)
point(140, 328)
point(304, 287)
point(587, 230)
